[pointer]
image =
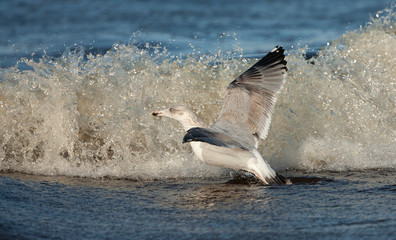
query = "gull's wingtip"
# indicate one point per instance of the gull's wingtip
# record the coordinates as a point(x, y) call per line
point(279, 51)
point(278, 48)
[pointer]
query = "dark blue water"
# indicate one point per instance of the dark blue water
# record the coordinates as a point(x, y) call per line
point(205, 26)
point(354, 205)
point(80, 157)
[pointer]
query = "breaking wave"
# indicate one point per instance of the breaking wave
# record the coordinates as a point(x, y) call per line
point(89, 115)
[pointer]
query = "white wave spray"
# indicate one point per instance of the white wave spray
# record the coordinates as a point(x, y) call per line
point(89, 115)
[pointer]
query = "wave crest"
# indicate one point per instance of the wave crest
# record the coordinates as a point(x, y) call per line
point(89, 115)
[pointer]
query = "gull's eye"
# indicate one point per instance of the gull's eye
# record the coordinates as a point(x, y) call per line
point(171, 110)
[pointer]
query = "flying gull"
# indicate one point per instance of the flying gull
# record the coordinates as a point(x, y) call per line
point(232, 141)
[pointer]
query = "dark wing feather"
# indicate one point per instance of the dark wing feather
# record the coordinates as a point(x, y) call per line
point(250, 99)
point(212, 137)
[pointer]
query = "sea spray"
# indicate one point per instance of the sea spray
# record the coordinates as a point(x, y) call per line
point(89, 115)
point(338, 111)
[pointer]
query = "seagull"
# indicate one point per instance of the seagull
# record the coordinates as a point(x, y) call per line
point(232, 141)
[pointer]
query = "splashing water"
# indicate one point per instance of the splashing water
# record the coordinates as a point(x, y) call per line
point(339, 112)
point(86, 115)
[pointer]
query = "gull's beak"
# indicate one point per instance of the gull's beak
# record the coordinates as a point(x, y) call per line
point(156, 114)
point(161, 113)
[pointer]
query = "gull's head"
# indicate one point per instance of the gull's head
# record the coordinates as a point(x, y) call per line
point(179, 113)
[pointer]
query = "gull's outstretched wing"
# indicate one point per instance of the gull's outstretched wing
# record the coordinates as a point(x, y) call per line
point(250, 99)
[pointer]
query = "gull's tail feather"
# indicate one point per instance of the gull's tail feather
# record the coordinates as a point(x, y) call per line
point(278, 180)
point(259, 167)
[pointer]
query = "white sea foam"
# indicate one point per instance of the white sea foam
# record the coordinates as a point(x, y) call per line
point(90, 115)
point(341, 110)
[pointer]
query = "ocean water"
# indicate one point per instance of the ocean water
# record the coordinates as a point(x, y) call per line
point(347, 205)
point(81, 156)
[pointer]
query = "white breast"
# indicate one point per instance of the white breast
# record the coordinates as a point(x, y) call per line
point(197, 148)
point(234, 158)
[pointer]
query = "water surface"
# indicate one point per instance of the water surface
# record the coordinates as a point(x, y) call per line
point(81, 156)
point(353, 205)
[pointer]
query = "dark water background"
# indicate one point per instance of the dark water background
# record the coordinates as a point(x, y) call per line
point(27, 26)
point(353, 205)
point(153, 188)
